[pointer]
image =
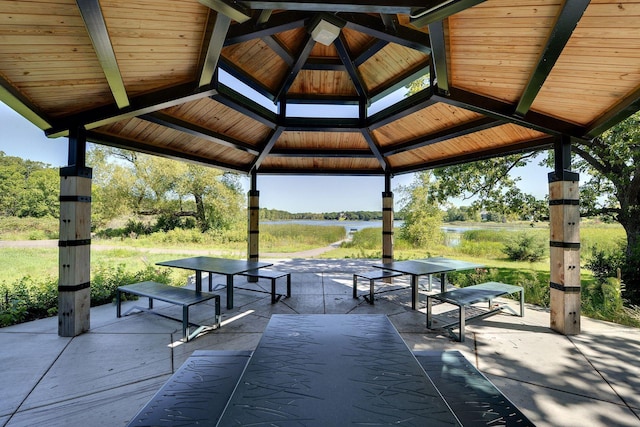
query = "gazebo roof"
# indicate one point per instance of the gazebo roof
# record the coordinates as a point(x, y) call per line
point(224, 82)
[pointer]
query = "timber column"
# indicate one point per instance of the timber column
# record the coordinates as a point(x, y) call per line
point(253, 241)
point(387, 221)
point(564, 223)
point(75, 240)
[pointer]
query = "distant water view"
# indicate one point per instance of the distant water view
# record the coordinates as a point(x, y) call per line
point(349, 226)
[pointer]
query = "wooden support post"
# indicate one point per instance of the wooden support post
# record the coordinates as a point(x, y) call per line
point(387, 221)
point(74, 251)
point(564, 222)
point(253, 242)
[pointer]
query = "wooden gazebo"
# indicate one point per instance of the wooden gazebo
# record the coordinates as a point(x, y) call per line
point(224, 82)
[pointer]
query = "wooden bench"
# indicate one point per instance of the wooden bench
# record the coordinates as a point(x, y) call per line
point(371, 276)
point(273, 275)
point(474, 399)
point(197, 393)
point(464, 298)
point(173, 295)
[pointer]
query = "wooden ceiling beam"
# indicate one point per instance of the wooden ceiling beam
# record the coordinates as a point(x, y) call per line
point(97, 29)
point(451, 133)
point(175, 123)
point(566, 22)
point(142, 104)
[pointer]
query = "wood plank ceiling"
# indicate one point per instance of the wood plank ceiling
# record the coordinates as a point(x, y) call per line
point(245, 86)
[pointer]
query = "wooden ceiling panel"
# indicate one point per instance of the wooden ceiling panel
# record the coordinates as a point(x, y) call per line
point(422, 123)
point(496, 42)
point(251, 57)
point(219, 118)
point(36, 59)
point(320, 165)
point(137, 28)
point(313, 82)
point(166, 139)
point(389, 63)
point(292, 39)
point(319, 141)
point(599, 66)
point(493, 138)
point(356, 41)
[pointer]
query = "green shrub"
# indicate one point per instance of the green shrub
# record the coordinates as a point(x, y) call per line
point(525, 247)
point(605, 263)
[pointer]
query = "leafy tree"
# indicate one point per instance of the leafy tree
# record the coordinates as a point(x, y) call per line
point(28, 188)
point(422, 215)
point(612, 163)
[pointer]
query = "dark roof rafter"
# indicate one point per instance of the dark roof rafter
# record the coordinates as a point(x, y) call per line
point(345, 56)
point(10, 96)
point(504, 111)
point(302, 57)
point(267, 147)
point(455, 132)
point(198, 131)
point(628, 106)
point(403, 108)
point(375, 27)
point(216, 36)
point(277, 23)
point(232, 99)
point(143, 104)
point(375, 149)
point(371, 6)
point(565, 24)
point(411, 74)
point(439, 10)
point(305, 153)
point(129, 144)
point(439, 56)
point(543, 143)
point(99, 35)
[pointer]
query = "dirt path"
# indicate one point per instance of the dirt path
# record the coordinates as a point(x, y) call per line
point(311, 253)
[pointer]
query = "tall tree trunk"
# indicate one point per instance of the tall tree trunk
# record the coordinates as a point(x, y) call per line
point(630, 221)
point(200, 213)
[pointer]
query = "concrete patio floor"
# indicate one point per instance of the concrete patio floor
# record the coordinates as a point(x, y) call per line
point(103, 377)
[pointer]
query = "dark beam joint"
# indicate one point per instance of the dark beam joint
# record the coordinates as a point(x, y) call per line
point(404, 36)
point(295, 69)
point(77, 147)
point(437, 10)
point(279, 22)
point(565, 24)
point(233, 9)
point(97, 29)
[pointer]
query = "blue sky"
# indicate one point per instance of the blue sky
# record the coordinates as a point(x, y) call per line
point(18, 137)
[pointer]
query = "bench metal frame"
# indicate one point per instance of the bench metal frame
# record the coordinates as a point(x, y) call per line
point(372, 276)
point(273, 275)
point(172, 295)
point(464, 298)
